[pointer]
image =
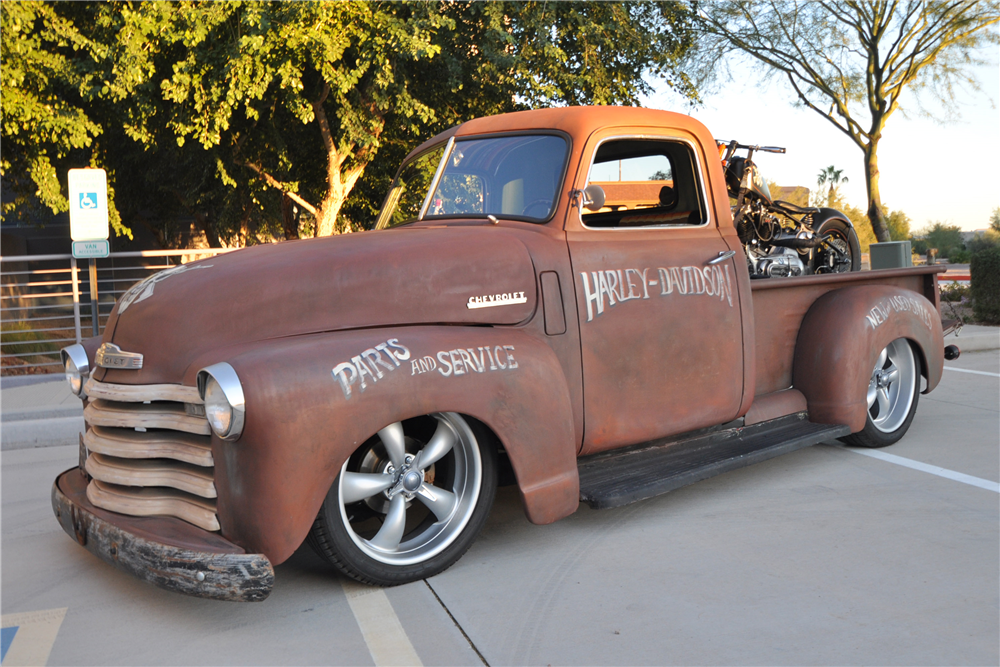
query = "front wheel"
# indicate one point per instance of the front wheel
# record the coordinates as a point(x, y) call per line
point(892, 396)
point(409, 502)
point(841, 252)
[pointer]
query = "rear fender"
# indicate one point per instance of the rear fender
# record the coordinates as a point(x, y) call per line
point(841, 337)
point(311, 401)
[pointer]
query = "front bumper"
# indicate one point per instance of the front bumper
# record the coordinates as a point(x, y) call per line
point(164, 551)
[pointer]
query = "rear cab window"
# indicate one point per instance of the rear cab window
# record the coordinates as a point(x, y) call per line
point(647, 183)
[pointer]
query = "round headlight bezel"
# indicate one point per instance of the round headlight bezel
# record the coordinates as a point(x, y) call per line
point(77, 368)
point(219, 385)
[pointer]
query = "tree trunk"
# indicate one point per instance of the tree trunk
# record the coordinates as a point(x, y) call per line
point(289, 218)
point(326, 216)
point(875, 216)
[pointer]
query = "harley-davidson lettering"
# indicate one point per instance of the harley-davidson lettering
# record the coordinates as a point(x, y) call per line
point(370, 364)
point(897, 304)
point(144, 289)
point(491, 300)
point(462, 361)
point(620, 285)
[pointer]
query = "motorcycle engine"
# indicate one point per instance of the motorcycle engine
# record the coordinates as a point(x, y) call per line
point(774, 263)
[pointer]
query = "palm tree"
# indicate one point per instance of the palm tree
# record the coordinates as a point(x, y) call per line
point(831, 175)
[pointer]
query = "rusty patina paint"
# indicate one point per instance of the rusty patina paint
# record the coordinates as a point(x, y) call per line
point(287, 316)
point(165, 552)
point(846, 330)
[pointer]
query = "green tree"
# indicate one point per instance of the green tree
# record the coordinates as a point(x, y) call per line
point(995, 220)
point(46, 126)
point(850, 61)
point(830, 176)
point(946, 238)
point(898, 224)
point(249, 117)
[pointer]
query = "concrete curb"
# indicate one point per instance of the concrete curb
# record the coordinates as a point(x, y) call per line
point(28, 434)
point(42, 413)
point(974, 342)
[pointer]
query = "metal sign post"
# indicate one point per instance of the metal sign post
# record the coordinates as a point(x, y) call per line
point(88, 225)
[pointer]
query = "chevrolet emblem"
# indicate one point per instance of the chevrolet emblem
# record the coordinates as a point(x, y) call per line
point(110, 355)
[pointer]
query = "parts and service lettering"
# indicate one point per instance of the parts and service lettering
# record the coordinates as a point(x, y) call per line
point(370, 366)
point(621, 285)
point(378, 362)
point(462, 361)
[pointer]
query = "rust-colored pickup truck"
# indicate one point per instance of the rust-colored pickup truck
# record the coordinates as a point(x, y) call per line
point(557, 298)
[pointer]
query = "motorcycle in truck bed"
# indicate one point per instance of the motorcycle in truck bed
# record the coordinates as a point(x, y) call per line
point(556, 297)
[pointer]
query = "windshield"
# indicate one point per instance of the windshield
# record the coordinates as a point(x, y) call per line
point(512, 176)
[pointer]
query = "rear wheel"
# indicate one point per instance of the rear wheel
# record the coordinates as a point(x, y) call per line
point(410, 501)
point(892, 396)
point(841, 252)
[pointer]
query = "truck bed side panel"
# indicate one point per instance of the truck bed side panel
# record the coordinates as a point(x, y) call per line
point(780, 305)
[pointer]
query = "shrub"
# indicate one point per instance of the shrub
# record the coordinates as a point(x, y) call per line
point(959, 257)
point(954, 292)
point(985, 276)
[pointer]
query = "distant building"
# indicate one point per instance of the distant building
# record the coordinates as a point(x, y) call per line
point(793, 194)
point(975, 233)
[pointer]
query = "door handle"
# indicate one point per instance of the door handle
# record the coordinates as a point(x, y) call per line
point(723, 256)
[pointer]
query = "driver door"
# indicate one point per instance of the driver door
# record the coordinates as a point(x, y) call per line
point(657, 301)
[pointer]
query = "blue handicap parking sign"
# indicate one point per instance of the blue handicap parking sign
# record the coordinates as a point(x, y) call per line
point(88, 200)
point(6, 637)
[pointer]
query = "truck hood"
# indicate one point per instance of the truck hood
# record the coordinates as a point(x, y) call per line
point(457, 275)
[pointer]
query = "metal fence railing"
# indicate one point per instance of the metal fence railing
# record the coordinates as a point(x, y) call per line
point(45, 300)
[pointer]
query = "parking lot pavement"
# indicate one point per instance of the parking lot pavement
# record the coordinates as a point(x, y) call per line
point(822, 556)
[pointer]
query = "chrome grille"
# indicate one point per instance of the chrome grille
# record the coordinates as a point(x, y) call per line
point(150, 452)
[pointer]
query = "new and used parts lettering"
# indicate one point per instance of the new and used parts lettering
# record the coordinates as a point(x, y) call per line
point(897, 304)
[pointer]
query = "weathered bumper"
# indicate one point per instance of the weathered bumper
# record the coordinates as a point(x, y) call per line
point(167, 552)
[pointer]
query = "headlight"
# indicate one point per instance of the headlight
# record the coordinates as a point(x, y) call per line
point(77, 368)
point(222, 392)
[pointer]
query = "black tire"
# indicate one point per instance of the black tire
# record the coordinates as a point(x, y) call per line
point(845, 239)
point(403, 523)
point(890, 417)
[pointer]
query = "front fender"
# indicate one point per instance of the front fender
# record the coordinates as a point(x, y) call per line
point(841, 337)
point(307, 411)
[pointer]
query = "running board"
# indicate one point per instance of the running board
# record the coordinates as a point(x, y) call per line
point(618, 478)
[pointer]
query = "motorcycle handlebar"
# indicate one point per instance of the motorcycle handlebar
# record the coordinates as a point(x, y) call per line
point(766, 149)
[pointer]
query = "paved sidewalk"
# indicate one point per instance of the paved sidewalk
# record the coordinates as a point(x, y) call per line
point(973, 337)
point(38, 411)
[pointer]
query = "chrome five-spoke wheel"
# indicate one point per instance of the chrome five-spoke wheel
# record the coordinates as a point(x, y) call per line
point(410, 501)
point(892, 396)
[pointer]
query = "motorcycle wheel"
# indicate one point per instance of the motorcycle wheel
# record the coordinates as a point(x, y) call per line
point(845, 239)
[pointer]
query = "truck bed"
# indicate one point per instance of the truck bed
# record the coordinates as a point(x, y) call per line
point(780, 304)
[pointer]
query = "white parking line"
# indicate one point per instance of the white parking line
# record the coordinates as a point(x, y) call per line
point(384, 634)
point(966, 370)
point(924, 467)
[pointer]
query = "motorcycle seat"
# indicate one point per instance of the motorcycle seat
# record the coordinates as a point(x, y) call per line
point(793, 208)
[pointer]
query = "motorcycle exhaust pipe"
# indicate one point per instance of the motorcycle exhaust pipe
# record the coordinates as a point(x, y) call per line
point(800, 241)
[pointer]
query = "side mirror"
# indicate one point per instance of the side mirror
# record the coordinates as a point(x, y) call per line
point(593, 197)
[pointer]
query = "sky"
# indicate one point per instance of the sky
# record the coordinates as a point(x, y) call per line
point(934, 172)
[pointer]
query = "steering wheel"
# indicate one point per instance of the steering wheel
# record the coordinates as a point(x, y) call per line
point(544, 204)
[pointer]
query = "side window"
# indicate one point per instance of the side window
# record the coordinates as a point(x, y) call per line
point(647, 183)
point(458, 193)
point(406, 195)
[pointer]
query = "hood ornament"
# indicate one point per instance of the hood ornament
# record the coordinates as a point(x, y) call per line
point(110, 355)
point(143, 289)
